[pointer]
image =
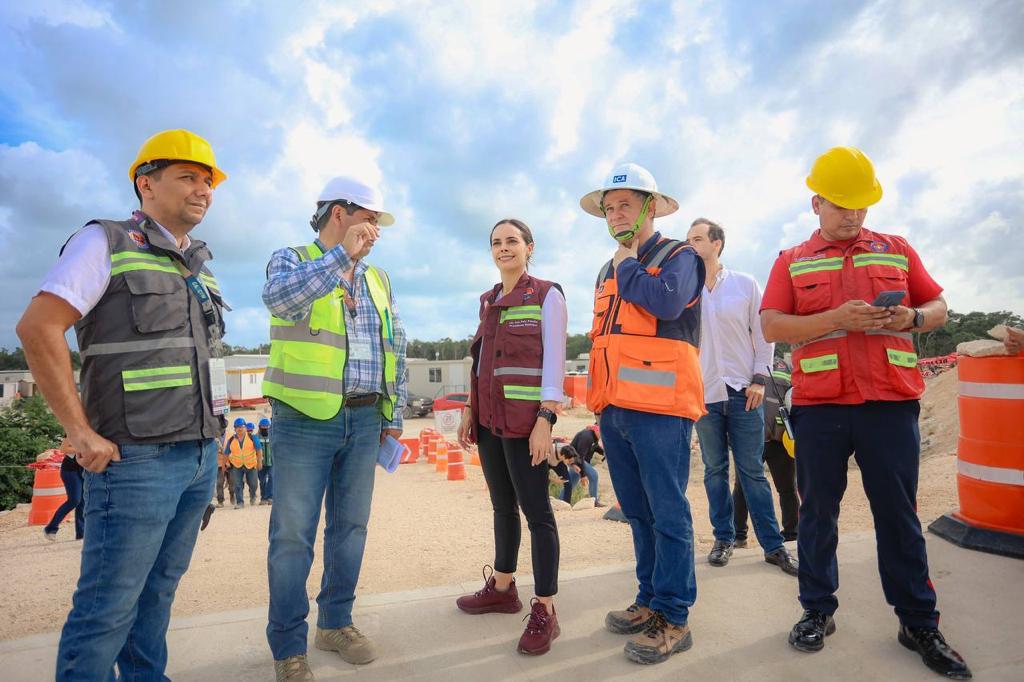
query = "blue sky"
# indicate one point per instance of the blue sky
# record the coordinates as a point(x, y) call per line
point(471, 112)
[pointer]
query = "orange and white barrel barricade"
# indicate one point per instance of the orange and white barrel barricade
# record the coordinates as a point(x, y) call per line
point(456, 463)
point(47, 494)
point(990, 458)
point(425, 435)
point(412, 450)
point(441, 458)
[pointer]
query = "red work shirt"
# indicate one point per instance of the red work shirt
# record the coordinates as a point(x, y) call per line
point(819, 275)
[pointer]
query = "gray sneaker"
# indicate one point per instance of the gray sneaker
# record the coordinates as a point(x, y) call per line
point(351, 645)
point(293, 669)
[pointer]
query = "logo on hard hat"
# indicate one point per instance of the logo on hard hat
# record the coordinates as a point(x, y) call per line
point(138, 238)
point(619, 178)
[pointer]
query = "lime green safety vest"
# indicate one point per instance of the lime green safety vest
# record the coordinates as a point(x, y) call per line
point(307, 357)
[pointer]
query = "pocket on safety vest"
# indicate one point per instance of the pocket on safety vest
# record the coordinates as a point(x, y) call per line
point(887, 278)
point(646, 376)
point(904, 376)
point(602, 307)
point(158, 400)
point(812, 292)
point(597, 375)
point(633, 319)
point(159, 301)
point(818, 377)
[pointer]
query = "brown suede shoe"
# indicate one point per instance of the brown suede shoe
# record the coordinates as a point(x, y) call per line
point(541, 630)
point(660, 640)
point(489, 599)
point(629, 622)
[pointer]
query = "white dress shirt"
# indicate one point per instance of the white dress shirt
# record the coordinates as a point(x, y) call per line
point(732, 347)
point(81, 274)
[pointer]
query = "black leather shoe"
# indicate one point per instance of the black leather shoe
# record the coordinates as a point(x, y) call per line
point(934, 651)
point(811, 630)
point(784, 560)
point(741, 543)
point(720, 553)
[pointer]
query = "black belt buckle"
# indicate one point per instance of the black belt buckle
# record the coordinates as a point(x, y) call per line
point(362, 400)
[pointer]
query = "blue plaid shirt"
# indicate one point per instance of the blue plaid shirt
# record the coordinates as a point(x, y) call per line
point(292, 287)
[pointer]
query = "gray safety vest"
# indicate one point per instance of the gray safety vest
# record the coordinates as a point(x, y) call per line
point(146, 345)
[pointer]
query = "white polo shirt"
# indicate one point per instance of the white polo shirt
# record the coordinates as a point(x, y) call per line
point(732, 346)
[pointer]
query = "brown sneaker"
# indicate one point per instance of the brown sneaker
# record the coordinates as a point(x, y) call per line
point(660, 640)
point(541, 630)
point(351, 645)
point(293, 669)
point(629, 622)
point(489, 599)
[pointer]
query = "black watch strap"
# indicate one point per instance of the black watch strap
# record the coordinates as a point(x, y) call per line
point(545, 413)
point(918, 318)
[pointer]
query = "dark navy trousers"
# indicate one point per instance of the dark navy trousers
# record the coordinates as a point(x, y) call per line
point(884, 439)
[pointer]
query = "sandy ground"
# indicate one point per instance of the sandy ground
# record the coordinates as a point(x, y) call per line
point(424, 531)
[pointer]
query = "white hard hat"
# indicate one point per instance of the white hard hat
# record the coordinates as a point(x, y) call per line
point(629, 176)
point(356, 191)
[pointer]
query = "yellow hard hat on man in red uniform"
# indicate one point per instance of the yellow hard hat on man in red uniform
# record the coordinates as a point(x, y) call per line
point(846, 177)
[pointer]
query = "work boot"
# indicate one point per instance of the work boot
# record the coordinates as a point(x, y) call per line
point(293, 669)
point(720, 553)
point(629, 622)
point(490, 599)
point(811, 630)
point(252, 500)
point(934, 651)
point(541, 630)
point(238, 505)
point(784, 560)
point(660, 640)
point(740, 542)
point(352, 645)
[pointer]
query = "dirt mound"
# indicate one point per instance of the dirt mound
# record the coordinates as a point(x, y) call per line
point(940, 419)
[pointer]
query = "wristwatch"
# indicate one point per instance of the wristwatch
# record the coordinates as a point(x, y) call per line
point(545, 413)
point(918, 318)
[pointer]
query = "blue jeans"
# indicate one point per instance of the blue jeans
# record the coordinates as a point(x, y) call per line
point(73, 483)
point(574, 478)
point(266, 482)
point(728, 423)
point(241, 477)
point(648, 458)
point(142, 517)
point(312, 458)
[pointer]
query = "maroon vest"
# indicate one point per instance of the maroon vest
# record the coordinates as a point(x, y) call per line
point(508, 355)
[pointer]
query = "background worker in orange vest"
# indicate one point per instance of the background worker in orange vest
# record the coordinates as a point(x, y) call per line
point(645, 381)
point(855, 391)
point(245, 455)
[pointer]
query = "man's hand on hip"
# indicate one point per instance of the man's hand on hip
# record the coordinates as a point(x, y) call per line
point(755, 396)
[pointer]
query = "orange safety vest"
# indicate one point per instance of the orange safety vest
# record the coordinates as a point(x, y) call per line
point(638, 361)
point(241, 455)
point(851, 367)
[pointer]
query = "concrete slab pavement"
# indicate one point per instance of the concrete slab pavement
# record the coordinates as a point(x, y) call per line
point(740, 623)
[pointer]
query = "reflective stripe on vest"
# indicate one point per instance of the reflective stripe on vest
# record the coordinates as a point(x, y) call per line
point(127, 261)
point(117, 347)
point(818, 265)
point(650, 377)
point(822, 363)
point(838, 334)
point(782, 376)
point(520, 312)
point(308, 357)
point(512, 392)
point(901, 358)
point(861, 260)
point(156, 377)
point(518, 371)
point(242, 455)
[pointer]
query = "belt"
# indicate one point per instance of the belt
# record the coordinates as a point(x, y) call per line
point(362, 400)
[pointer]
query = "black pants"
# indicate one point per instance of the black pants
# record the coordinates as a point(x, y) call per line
point(883, 437)
point(783, 470)
point(515, 483)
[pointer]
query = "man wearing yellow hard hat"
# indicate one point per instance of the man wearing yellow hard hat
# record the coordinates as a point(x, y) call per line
point(849, 300)
point(148, 316)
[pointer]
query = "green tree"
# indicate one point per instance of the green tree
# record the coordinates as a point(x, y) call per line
point(963, 327)
point(576, 345)
point(27, 428)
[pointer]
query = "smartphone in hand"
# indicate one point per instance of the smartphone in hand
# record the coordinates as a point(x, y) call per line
point(887, 299)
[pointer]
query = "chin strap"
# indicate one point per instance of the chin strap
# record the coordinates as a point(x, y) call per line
point(627, 235)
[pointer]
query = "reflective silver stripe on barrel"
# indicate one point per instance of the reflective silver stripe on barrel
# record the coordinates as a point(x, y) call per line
point(114, 348)
point(990, 474)
point(303, 382)
point(647, 376)
point(972, 389)
point(518, 371)
point(48, 492)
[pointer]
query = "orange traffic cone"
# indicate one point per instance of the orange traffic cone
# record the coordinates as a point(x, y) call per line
point(441, 461)
point(47, 494)
point(456, 463)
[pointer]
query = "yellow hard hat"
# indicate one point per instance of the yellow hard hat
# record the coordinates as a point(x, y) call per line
point(789, 444)
point(176, 145)
point(846, 177)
